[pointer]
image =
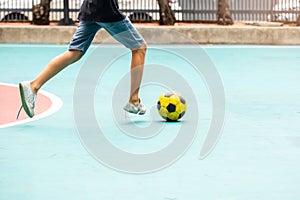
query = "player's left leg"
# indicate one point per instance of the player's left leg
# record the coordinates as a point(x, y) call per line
point(78, 46)
point(54, 67)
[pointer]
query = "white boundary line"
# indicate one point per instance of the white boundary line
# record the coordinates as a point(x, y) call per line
point(55, 106)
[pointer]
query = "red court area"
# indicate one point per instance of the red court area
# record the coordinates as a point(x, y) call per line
point(10, 103)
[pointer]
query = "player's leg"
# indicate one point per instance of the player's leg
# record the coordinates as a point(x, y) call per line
point(136, 73)
point(54, 67)
point(28, 90)
point(78, 46)
point(124, 32)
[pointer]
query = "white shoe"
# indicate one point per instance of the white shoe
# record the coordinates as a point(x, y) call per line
point(135, 109)
point(28, 99)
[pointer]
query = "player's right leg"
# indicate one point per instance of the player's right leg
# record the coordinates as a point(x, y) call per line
point(124, 32)
point(134, 104)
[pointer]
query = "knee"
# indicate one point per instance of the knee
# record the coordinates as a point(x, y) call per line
point(75, 55)
point(141, 50)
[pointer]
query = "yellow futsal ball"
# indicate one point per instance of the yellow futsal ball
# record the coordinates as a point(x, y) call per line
point(171, 106)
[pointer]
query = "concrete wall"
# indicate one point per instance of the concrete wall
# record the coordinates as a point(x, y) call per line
point(160, 34)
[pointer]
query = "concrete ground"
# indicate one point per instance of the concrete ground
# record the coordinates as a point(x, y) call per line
point(239, 33)
point(257, 156)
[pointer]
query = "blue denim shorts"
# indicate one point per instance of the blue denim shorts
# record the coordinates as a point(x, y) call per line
point(122, 31)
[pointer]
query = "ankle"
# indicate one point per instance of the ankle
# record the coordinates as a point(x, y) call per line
point(34, 88)
point(135, 101)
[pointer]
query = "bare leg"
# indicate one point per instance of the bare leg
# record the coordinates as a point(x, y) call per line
point(54, 67)
point(137, 68)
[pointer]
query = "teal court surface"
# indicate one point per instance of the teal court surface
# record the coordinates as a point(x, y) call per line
point(255, 157)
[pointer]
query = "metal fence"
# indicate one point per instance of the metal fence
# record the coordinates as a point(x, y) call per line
point(147, 10)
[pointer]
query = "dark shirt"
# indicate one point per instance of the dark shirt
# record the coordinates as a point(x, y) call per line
point(100, 11)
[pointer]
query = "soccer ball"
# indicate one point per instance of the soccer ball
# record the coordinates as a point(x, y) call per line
point(171, 106)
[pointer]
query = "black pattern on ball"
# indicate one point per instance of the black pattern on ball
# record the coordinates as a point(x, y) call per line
point(168, 94)
point(182, 100)
point(158, 105)
point(171, 107)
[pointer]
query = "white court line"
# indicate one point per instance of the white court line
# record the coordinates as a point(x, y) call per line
point(55, 106)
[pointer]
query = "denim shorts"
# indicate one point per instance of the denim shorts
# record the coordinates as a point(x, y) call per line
point(123, 31)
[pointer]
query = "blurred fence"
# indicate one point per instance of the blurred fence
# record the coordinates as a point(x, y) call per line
point(147, 10)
